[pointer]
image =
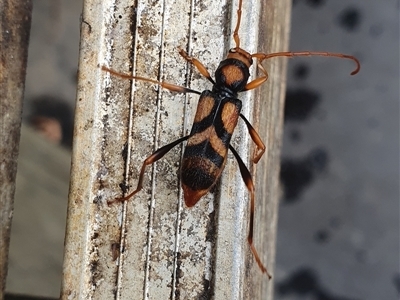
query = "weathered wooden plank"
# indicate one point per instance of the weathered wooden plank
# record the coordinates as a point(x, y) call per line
point(15, 25)
point(163, 249)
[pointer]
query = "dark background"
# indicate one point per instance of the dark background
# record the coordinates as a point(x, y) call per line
point(338, 230)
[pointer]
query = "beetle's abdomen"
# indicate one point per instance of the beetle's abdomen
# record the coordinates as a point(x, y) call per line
point(207, 147)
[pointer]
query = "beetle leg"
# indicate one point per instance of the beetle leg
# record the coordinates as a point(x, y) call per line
point(259, 151)
point(194, 61)
point(169, 86)
point(250, 186)
point(258, 81)
point(159, 153)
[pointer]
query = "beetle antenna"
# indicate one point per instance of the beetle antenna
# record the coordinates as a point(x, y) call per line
point(263, 56)
point(236, 32)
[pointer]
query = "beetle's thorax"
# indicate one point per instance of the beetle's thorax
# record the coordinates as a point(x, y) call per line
point(232, 73)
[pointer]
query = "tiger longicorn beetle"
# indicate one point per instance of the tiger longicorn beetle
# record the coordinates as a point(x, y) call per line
point(215, 120)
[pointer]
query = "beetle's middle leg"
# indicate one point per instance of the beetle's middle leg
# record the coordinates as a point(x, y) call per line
point(169, 86)
point(259, 151)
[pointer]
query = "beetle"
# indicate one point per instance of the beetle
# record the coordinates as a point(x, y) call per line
point(218, 112)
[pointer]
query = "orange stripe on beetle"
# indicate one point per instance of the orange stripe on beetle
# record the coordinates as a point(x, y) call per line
point(210, 135)
point(230, 115)
point(206, 105)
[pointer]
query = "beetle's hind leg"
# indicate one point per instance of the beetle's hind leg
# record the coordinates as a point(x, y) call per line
point(158, 154)
point(250, 186)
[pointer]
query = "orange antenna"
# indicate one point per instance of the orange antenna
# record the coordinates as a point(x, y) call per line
point(263, 56)
point(236, 32)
